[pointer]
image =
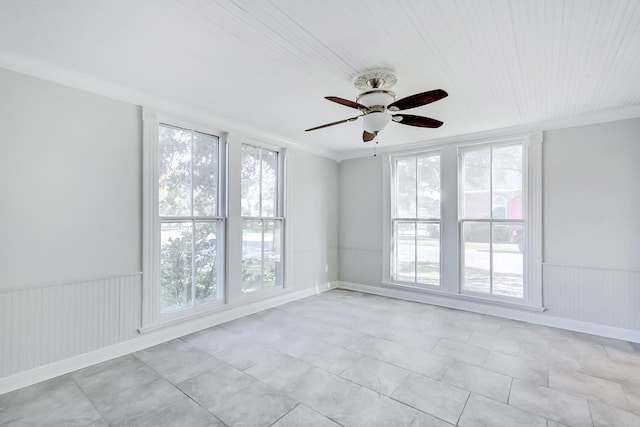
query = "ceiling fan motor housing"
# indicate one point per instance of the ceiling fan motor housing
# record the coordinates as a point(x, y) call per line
point(376, 97)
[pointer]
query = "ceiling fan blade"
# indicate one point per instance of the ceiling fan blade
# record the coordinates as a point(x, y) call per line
point(419, 121)
point(368, 136)
point(417, 100)
point(334, 123)
point(346, 102)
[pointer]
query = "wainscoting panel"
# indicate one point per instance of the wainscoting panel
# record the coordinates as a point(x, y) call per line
point(41, 325)
point(606, 297)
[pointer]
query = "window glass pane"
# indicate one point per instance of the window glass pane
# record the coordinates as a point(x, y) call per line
point(250, 182)
point(406, 188)
point(251, 255)
point(405, 234)
point(176, 242)
point(269, 182)
point(174, 171)
point(429, 187)
point(271, 246)
point(508, 261)
point(206, 275)
point(205, 174)
point(476, 256)
point(477, 182)
point(507, 182)
point(428, 247)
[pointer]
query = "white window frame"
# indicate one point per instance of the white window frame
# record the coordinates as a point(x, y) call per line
point(491, 221)
point(151, 284)
point(417, 220)
point(450, 278)
point(279, 213)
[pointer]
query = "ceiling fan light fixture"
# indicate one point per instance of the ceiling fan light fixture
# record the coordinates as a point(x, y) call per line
point(376, 122)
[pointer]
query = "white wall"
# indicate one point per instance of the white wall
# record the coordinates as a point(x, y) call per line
point(70, 230)
point(592, 223)
point(312, 217)
point(70, 179)
point(360, 236)
point(592, 196)
point(591, 211)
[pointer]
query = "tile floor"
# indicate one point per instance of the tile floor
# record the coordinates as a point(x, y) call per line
point(351, 359)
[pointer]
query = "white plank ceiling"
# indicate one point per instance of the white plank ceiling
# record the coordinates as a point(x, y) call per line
point(268, 64)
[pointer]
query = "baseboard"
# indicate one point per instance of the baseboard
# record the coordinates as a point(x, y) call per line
point(150, 339)
point(507, 313)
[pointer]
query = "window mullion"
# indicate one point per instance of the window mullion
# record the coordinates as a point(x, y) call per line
point(262, 254)
point(395, 190)
point(416, 166)
point(260, 181)
point(415, 250)
point(491, 222)
point(491, 258)
point(261, 221)
point(276, 188)
point(193, 262)
point(415, 228)
point(191, 171)
point(193, 224)
point(394, 250)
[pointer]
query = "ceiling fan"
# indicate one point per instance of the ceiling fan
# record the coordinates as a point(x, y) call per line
point(378, 105)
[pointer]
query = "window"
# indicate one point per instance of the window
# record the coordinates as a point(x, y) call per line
point(190, 221)
point(416, 220)
point(492, 226)
point(262, 222)
point(464, 221)
point(213, 220)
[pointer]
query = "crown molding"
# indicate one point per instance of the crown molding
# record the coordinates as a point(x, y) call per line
point(54, 73)
point(514, 131)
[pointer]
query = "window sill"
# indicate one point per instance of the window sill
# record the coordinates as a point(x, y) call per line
point(463, 297)
point(174, 318)
point(214, 308)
